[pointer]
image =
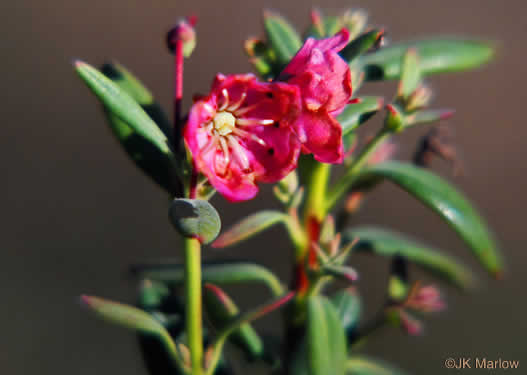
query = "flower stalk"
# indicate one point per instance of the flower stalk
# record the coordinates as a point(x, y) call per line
point(345, 182)
point(193, 308)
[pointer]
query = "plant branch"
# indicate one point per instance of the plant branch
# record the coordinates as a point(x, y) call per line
point(193, 312)
point(345, 182)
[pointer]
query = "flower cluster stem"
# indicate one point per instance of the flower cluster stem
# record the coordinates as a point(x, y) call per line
point(193, 303)
point(178, 89)
point(345, 182)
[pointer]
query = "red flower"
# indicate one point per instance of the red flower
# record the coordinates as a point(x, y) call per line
point(240, 134)
point(324, 80)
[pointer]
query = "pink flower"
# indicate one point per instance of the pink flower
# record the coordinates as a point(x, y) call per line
point(240, 134)
point(324, 80)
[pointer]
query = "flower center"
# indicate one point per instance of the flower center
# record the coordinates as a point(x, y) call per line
point(224, 123)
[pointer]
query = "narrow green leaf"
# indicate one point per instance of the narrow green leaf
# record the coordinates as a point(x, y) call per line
point(428, 116)
point(358, 113)
point(390, 244)
point(222, 310)
point(448, 203)
point(152, 294)
point(344, 273)
point(326, 342)
point(361, 365)
point(131, 318)
point(153, 162)
point(361, 44)
point(282, 37)
point(349, 307)
point(216, 273)
point(121, 104)
point(439, 55)
point(149, 158)
point(195, 218)
point(124, 315)
point(123, 78)
point(249, 226)
point(410, 74)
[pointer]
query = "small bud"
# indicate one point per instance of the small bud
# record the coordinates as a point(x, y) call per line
point(318, 22)
point(354, 21)
point(425, 299)
point(353, 202)
point(410, 324)
point(184, 32)
point(395, 120)
point(420, 98)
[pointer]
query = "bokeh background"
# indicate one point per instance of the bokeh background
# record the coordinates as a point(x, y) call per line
point(76, 212)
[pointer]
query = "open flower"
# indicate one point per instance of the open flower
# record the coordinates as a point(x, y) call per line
point(240, 134)
point(324, 80)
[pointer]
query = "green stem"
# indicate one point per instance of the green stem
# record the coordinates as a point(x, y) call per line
point(316, 191)
point(345, 182)
point(193, 303)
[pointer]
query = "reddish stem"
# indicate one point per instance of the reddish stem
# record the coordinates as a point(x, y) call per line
point(178, 89)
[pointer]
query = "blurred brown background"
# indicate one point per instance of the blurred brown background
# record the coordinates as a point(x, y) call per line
point(77, 212)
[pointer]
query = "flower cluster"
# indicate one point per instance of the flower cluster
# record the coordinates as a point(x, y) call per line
point(247, 131)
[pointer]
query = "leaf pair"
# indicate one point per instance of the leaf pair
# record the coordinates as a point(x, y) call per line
point(136, 120)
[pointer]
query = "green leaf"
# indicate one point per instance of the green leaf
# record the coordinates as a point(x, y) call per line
point(195, 218)
point(361, 44)
point(123, 78)
point(131, 318)
point(250, 226)
point(152, 294)
point(427, 116)
point(344, 273)
point(282, 37)
point(438, 55)
point(448, 203)
point(216, 273)
point(221, 311)
point(361, 365)
point(349, 307)
point(121, 104)
point(154, 163)
point(326, 342)
point(358, 113)
point(410, 74)
point(390, 244)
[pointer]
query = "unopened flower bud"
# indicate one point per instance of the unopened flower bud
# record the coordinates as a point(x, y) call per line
point(184, 32)
point(420, 98)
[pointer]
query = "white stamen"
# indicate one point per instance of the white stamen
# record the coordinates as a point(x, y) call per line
point(242, 111)
point(239, 153)
point(245, 134)
point(225, 149)
point(238, 104)
point(225, 100)
point(253, 122)
point(213, 141)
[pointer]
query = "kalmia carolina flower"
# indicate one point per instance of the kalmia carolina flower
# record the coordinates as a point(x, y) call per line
point(240, 134)
point(324, 80)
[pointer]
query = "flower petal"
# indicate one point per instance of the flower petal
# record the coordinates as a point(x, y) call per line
point(323, 76)
point(321, 135)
